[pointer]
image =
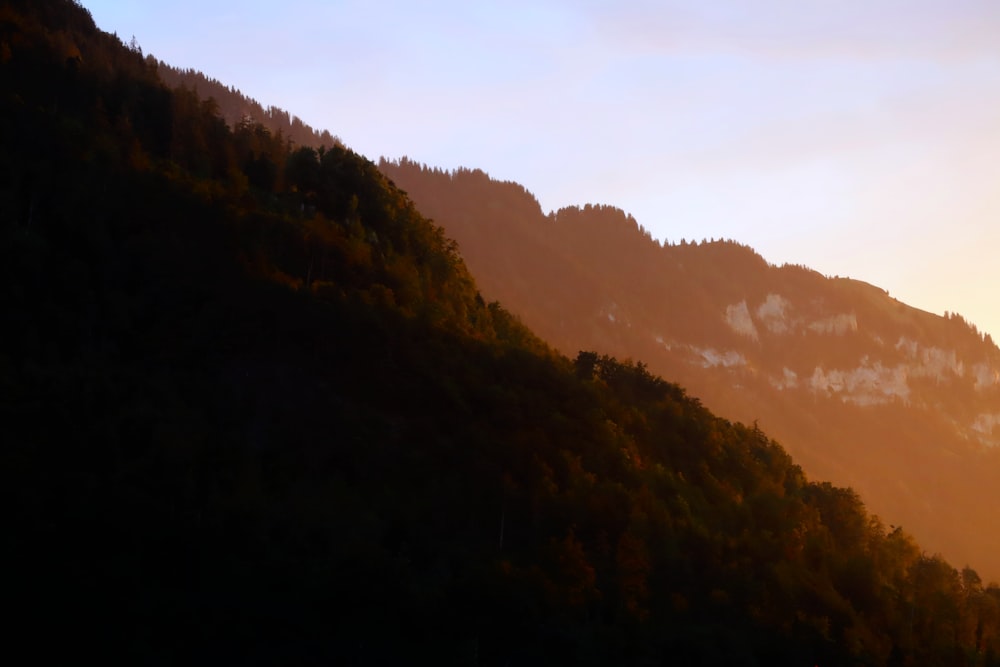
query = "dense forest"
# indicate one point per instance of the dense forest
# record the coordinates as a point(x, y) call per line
point(256, 411)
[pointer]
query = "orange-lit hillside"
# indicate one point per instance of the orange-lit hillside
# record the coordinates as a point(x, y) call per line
point(256, 411)
point(898, 403)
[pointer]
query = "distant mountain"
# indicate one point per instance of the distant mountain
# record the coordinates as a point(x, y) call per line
point(254, 410)
point(900, 404)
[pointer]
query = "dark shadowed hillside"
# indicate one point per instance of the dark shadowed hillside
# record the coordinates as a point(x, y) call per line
point(898, 403)
point(255, 411)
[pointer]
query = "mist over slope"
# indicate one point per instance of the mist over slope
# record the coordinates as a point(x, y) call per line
point(863, 390)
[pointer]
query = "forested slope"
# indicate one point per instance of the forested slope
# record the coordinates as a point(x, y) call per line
point(255, 411)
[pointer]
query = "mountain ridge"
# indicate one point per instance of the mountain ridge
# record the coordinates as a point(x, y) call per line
point(801, 353)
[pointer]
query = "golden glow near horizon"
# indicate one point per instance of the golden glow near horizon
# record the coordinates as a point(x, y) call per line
point(858, 138)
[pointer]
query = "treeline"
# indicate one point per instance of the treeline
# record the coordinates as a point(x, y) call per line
point(237, 108)
point(609, 251)
point(256, 411)
point(563, 267)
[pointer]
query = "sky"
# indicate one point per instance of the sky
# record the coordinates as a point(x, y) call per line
point(860, 138)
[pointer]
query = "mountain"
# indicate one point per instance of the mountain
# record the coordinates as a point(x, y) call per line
point(863, 390)
point(255, 411)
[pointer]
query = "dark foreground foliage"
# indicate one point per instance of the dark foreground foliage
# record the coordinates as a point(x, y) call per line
point(254, 411)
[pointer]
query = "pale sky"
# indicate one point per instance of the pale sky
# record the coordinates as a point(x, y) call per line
point(858, 137)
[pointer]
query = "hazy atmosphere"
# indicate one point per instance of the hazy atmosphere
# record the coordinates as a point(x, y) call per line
point(857, 138)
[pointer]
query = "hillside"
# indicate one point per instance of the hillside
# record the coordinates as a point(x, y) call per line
point(863, 390)
point(256, 411)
